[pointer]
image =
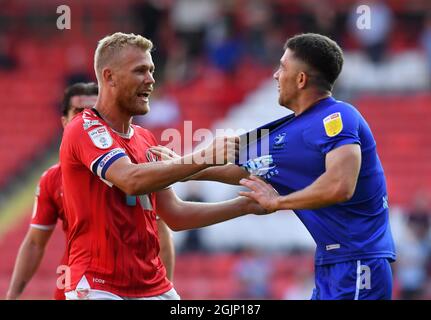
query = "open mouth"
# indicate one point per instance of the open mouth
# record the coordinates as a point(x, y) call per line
point(144, 95)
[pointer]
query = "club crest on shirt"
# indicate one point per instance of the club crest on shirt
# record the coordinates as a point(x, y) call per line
point(333, 124)
point(101, 137)
point(279, 140)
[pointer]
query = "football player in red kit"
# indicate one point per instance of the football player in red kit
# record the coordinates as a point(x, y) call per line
point(48, 205)
point(111, 185)
point(48, 209)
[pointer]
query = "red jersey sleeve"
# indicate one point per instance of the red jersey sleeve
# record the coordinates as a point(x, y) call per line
point(89, 141)
point(45, 211)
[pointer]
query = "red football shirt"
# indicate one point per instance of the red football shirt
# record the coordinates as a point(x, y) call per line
point(48, 208)
point(113, 240)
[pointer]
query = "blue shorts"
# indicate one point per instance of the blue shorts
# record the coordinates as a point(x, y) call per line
point(368, 279)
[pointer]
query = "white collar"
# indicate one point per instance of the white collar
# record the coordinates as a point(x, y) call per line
point(127, 135)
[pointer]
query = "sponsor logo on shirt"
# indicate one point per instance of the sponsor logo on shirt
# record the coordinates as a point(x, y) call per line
point(332, 246)
point(101, 137)
point(259, 166)
point(333, 124)
point(89, 123)
point(109, 156)
point(97, 280)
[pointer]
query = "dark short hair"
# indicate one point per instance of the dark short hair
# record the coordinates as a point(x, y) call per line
point(77, 89)
point(320, 53)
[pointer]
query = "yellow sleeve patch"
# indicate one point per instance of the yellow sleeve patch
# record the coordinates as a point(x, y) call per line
point(333, 124)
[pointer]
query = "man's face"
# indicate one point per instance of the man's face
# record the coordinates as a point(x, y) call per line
point(77, 104)
point(287, 78)
point(133, 78)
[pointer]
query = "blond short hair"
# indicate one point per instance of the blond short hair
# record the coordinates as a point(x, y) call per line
point(110, 46)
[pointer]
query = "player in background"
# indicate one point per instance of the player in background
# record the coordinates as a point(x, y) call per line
point(323, 165)
point(110, 183)
point(48, 208)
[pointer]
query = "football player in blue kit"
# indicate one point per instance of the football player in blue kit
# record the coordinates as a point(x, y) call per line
point(324, 166)
point(322, 163)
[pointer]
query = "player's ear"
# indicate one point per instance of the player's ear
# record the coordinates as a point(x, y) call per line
point(64, 121)
point(301, 80)
point(108, 77)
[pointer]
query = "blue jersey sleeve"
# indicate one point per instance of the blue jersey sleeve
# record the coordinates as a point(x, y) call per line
point(333, 128)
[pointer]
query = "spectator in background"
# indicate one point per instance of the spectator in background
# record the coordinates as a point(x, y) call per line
point(191, 18)
point(151, 18)
point(257, 19)
point(7, 59)
point(375, 39)
point(426, 41)
point(321, 19)
point(415, 251)
point(77, 65)
point(224, 46)
point(193, 238)
point(302, 284)
point(254, 271)
point(179, 68)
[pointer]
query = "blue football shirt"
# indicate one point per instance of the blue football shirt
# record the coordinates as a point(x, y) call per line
point(291, 156)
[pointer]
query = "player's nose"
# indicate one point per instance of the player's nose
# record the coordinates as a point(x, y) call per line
point(149, 79)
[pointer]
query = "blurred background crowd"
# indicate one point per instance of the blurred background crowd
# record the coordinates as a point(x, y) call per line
point(214, 62)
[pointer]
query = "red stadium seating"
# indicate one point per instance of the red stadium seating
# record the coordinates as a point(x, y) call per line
point(29, 121)
point(43, 284)
point(401, 128)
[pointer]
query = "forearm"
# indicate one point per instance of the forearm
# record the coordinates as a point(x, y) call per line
point(167, 249)
point(190, 215)
point(149, 177)
point(323, 192)
point(337, 184)
point(167, 254)
point(27, 262)
point(230, 174)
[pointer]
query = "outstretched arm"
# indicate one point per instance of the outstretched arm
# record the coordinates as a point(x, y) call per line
point(135, 179)
point(183, 215)
point(229, 173)
point(337, 184)
point(27, 262)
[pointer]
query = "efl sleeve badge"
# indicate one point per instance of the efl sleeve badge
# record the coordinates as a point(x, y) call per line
point(101, 137)
point(333, 124)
